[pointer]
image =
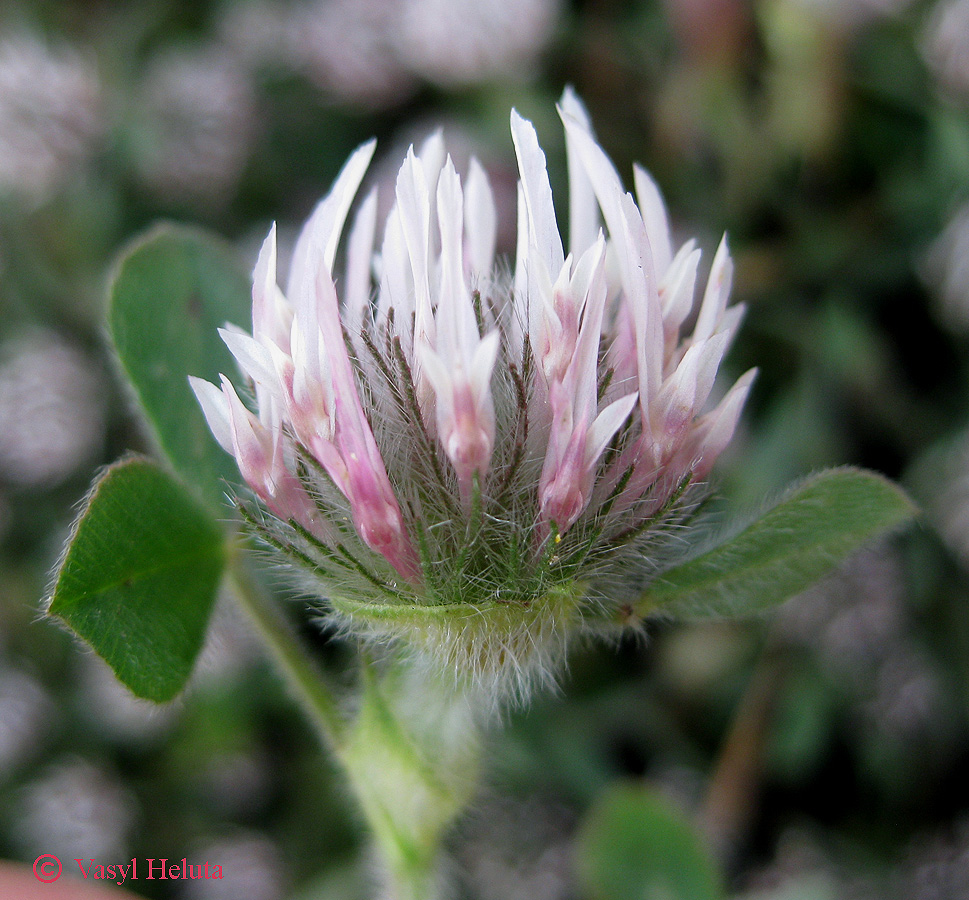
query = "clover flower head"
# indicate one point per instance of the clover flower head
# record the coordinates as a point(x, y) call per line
point(474, 460)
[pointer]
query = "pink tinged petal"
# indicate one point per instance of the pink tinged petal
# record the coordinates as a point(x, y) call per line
point(396, 291)
point(521, 317)
point(565, 494)
point(357, 287)
point(414, 209)
point(589, 282)
point(688, 387)
point(605, 426)
point(653, 208)
point(482, 365)
point(716, 294)
point(711, 353)
point(215, 408)
point(480, 223)
point(432, 155)
point(583, 209)
point(715, 429)
point(321, 233)
point(673, 410)
point(599, 170)
point(639, 285)
point(251, 444)
point(556, 328)
point(543, 230)
point(312, 397)
point(621, 352)
point(376, 516)
point(676, 290)
point(465, 410)
point(376, 513)
point(285, 377)
point(635, 257)
point(456, 326)
point(253, 358)
point(730, 321)
point(258, 454)
point(256, 363)
point(573, 454)
point(264, 285)
point(271, 314)
point(470, 439)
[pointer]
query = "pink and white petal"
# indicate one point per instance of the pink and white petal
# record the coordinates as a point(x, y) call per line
point(677, 288)
point(653, 208)
point(716, 428)
point(583, 375)
point(414, 209)
point(251, 443)
point(440, 378)
point(716, 294)
point(215, 408)
point(480, 223)
point(456, 327)
point(639, 285)
point(584, 221)
point(730, 321)
point(320, 236)
point(432, 155)
point(359, 278)
point(710, 354)
point(265, 305)
point(482, 366)
point(543, 229)
point(600, 171)
point(396, 279)
point(605, 426)
point(589, 266)
point(253, 358)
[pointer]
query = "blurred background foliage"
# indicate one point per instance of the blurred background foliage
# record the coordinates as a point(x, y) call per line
point(821, 754)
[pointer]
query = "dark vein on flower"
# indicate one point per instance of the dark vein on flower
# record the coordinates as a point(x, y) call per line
point(294, 553)
point(366, 573)
point(411, 394)
point(624, 537)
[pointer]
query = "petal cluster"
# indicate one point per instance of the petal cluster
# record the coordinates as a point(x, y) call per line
point(433, 429)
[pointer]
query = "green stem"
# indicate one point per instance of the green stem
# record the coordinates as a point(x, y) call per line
point(299, 670)
point(412, 775)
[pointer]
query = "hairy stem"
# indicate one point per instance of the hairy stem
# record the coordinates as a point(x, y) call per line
point(288, 653)
point(410, 752)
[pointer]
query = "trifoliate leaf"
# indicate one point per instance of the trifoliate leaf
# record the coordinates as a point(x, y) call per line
point(808, 532)
point(140, 575)
point(171, 291)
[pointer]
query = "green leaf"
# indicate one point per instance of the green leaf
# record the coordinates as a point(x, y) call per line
point(140, 576)
point(634, 845)
point(815, 526)
point(171, 291)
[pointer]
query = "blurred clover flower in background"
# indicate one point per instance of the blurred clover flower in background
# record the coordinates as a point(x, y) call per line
point(52, 409)
point(481, 461)
point(52, 112)
point(200, 119)
point(374, 53)
point(946, 45)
